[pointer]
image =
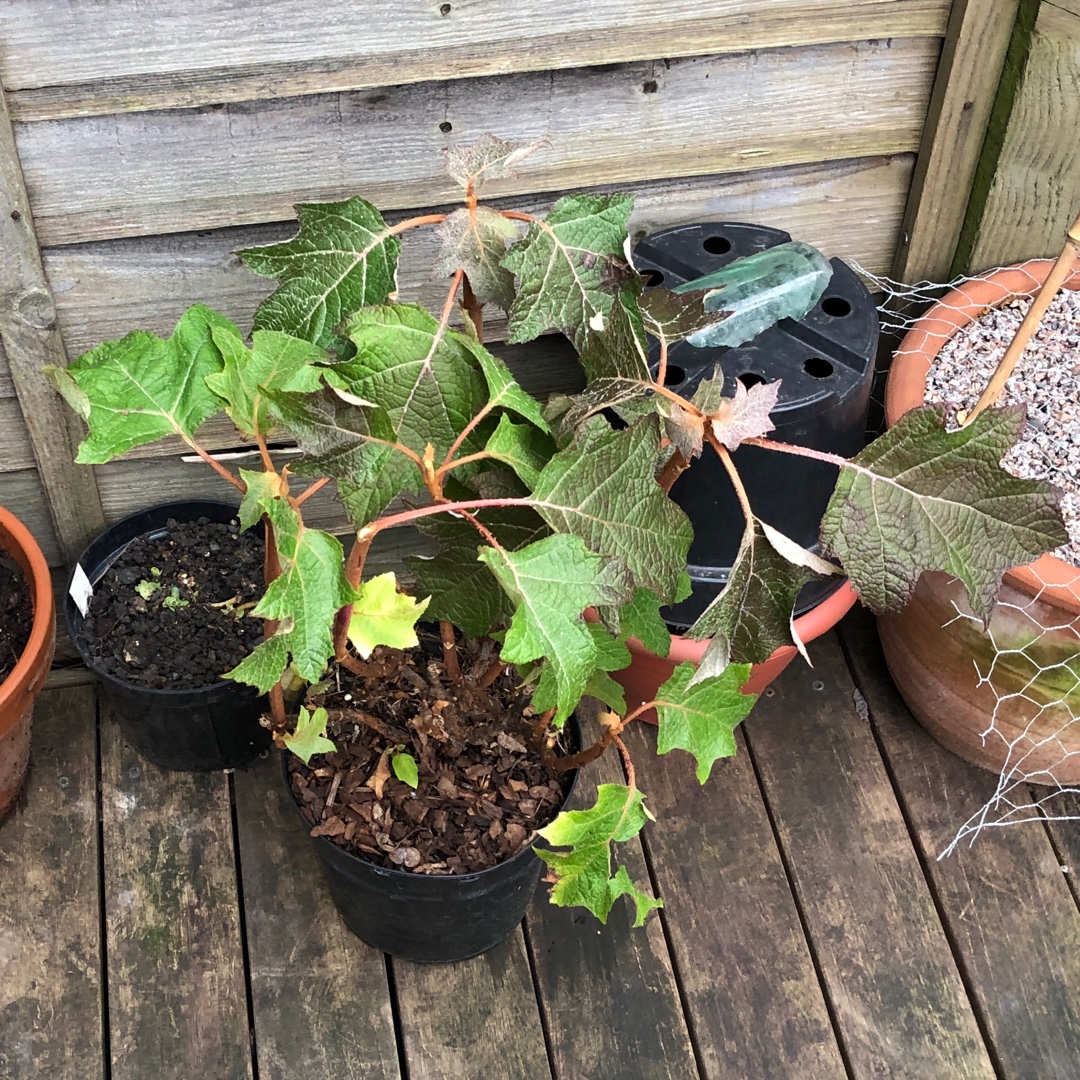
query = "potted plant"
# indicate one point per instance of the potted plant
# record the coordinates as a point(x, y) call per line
point(27, 643)
point(539, 515)
point(939, 654)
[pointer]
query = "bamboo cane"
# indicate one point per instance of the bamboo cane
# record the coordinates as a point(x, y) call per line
point(1054, 280)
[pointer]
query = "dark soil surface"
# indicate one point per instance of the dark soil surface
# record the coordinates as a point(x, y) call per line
point(484, 789)
point(16, 614)
point(172, 611)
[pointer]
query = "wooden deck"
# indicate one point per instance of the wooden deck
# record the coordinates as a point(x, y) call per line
point(156, 925)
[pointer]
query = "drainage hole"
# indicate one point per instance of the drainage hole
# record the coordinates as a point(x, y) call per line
point(446, 127)
point(717, 245)
point(652, 278)
point(751, 378)
point(817, 367)
point(674, 375)
point(445, 9)
point(836, 306)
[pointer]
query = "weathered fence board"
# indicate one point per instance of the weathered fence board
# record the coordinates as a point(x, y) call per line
point(1035, 193)
point(22, 493)
point(847, 208)
point(15, 449)
point(65, 60)
point(131, 174)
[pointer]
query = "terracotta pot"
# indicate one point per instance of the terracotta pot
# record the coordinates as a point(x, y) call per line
point(936, 650)
point(648, 671)
point(21, 687)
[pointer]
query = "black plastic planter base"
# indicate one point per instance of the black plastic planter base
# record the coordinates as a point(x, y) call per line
point(211, 727)
point(825, 366)
point(429, 918)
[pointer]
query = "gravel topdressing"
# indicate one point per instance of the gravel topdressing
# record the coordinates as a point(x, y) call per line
point(1047, 380)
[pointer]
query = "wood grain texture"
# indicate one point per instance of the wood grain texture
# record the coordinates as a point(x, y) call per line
point(971, 63)
point(319, 994)
point(849, 209)
point(731, 917)
point(29, 340)
point(900, 1006)
point(1007, 906)
point(1035, 193)
point(608, 991)
point(175, 963)
point(51, 1006)
point(75, 60)
point(21, 493)
point(15, 449)
point(132, 174)
point(477, 1017)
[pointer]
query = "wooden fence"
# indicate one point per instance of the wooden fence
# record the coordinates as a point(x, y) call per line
point(141, 145)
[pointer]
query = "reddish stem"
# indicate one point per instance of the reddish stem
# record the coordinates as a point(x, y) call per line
point(674, 468)
point(472, 308)
point(305, 495)
point(733, 475)
point(411, 223)
point(449, 650)
point(271, 571)
point(216, 465)
point(354, 572)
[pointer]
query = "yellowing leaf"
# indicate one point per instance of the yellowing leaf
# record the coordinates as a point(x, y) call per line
point(744, 416)
point(309, 738)
point(384, 616)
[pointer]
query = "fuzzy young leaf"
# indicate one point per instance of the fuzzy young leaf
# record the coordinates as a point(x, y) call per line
point(551, 582)
point(489, 158)
point(744, 416)
point(343, 258)
point(582, 876)
point(463, 590)
point(383, 616)
point(521, 446)
point(603, 488)
point(475, 241)
point(752, 616)
point(701, 717)
point(275, 361)
point(142, 388)
point(570, 267)
point(405, 769)
point(309, 738)
point(922, 498)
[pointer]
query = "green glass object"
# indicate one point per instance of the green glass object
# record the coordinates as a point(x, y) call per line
point(754, 292)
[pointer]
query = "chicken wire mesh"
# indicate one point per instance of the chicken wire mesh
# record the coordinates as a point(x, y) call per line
point(1021, 691)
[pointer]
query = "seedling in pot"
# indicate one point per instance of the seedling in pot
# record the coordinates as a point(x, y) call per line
point(538, 515)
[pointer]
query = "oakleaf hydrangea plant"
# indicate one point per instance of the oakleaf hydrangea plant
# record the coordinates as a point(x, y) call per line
point(539, 514)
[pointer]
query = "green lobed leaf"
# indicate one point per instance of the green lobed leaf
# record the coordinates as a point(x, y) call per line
point(611, 655)
point(309, 738)
point(582, 875)
point(701, 717)
point(503, 389)
point(275, 361)
point(383, 616)
point(603, 488)
point(923, 498)
point(551, 582)
point(475, 241)
point(343, 258)
point(641, 619)
point(569, 267)
point(463, 590)
point(142, 388)
point(523, 447)
point(752, 615)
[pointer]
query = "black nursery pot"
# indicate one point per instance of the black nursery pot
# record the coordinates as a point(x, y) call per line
point(197, 730)
point(825, 363)
point(429, 918)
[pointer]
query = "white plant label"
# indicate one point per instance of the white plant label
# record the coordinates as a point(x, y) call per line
point(81, 590)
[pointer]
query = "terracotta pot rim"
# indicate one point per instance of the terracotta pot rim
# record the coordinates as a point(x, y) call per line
point(29, 673)
point(819, 620)
point(1050, 578)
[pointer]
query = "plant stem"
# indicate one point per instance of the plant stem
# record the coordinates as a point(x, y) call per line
point(482, 529)
point(449, 650)
point(216, 465)
point(354, 572)
point(411, 223)
point(800, 451)
point(472, 308)
point(470, 427)
point(661, 368)
point(628, 765)
point(733, 475)
point(609, 735)
point(268, 465)
point(674, 468)
point(305, 495)
point(396, 520)
point(448, 466)
point(271, 571)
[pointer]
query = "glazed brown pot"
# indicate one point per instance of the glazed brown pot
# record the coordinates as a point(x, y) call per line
point(1001, 698)
point(21, 687)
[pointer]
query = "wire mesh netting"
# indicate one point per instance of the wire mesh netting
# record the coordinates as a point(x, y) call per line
point(1007, 695)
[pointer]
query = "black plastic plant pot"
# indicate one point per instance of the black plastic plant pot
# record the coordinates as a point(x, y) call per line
point(430, 918)
point(196, 730)
point(825, 364)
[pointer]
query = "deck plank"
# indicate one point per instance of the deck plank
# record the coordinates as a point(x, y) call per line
point(1005, 900)
point(609, 995)
point(477, 1017)
point(320, 996)
point(50, 927)
point(754, 1002)
point(177, 1003)
point(900, 1005)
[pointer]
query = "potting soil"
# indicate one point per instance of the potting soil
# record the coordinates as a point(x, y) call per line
point(16, 614)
